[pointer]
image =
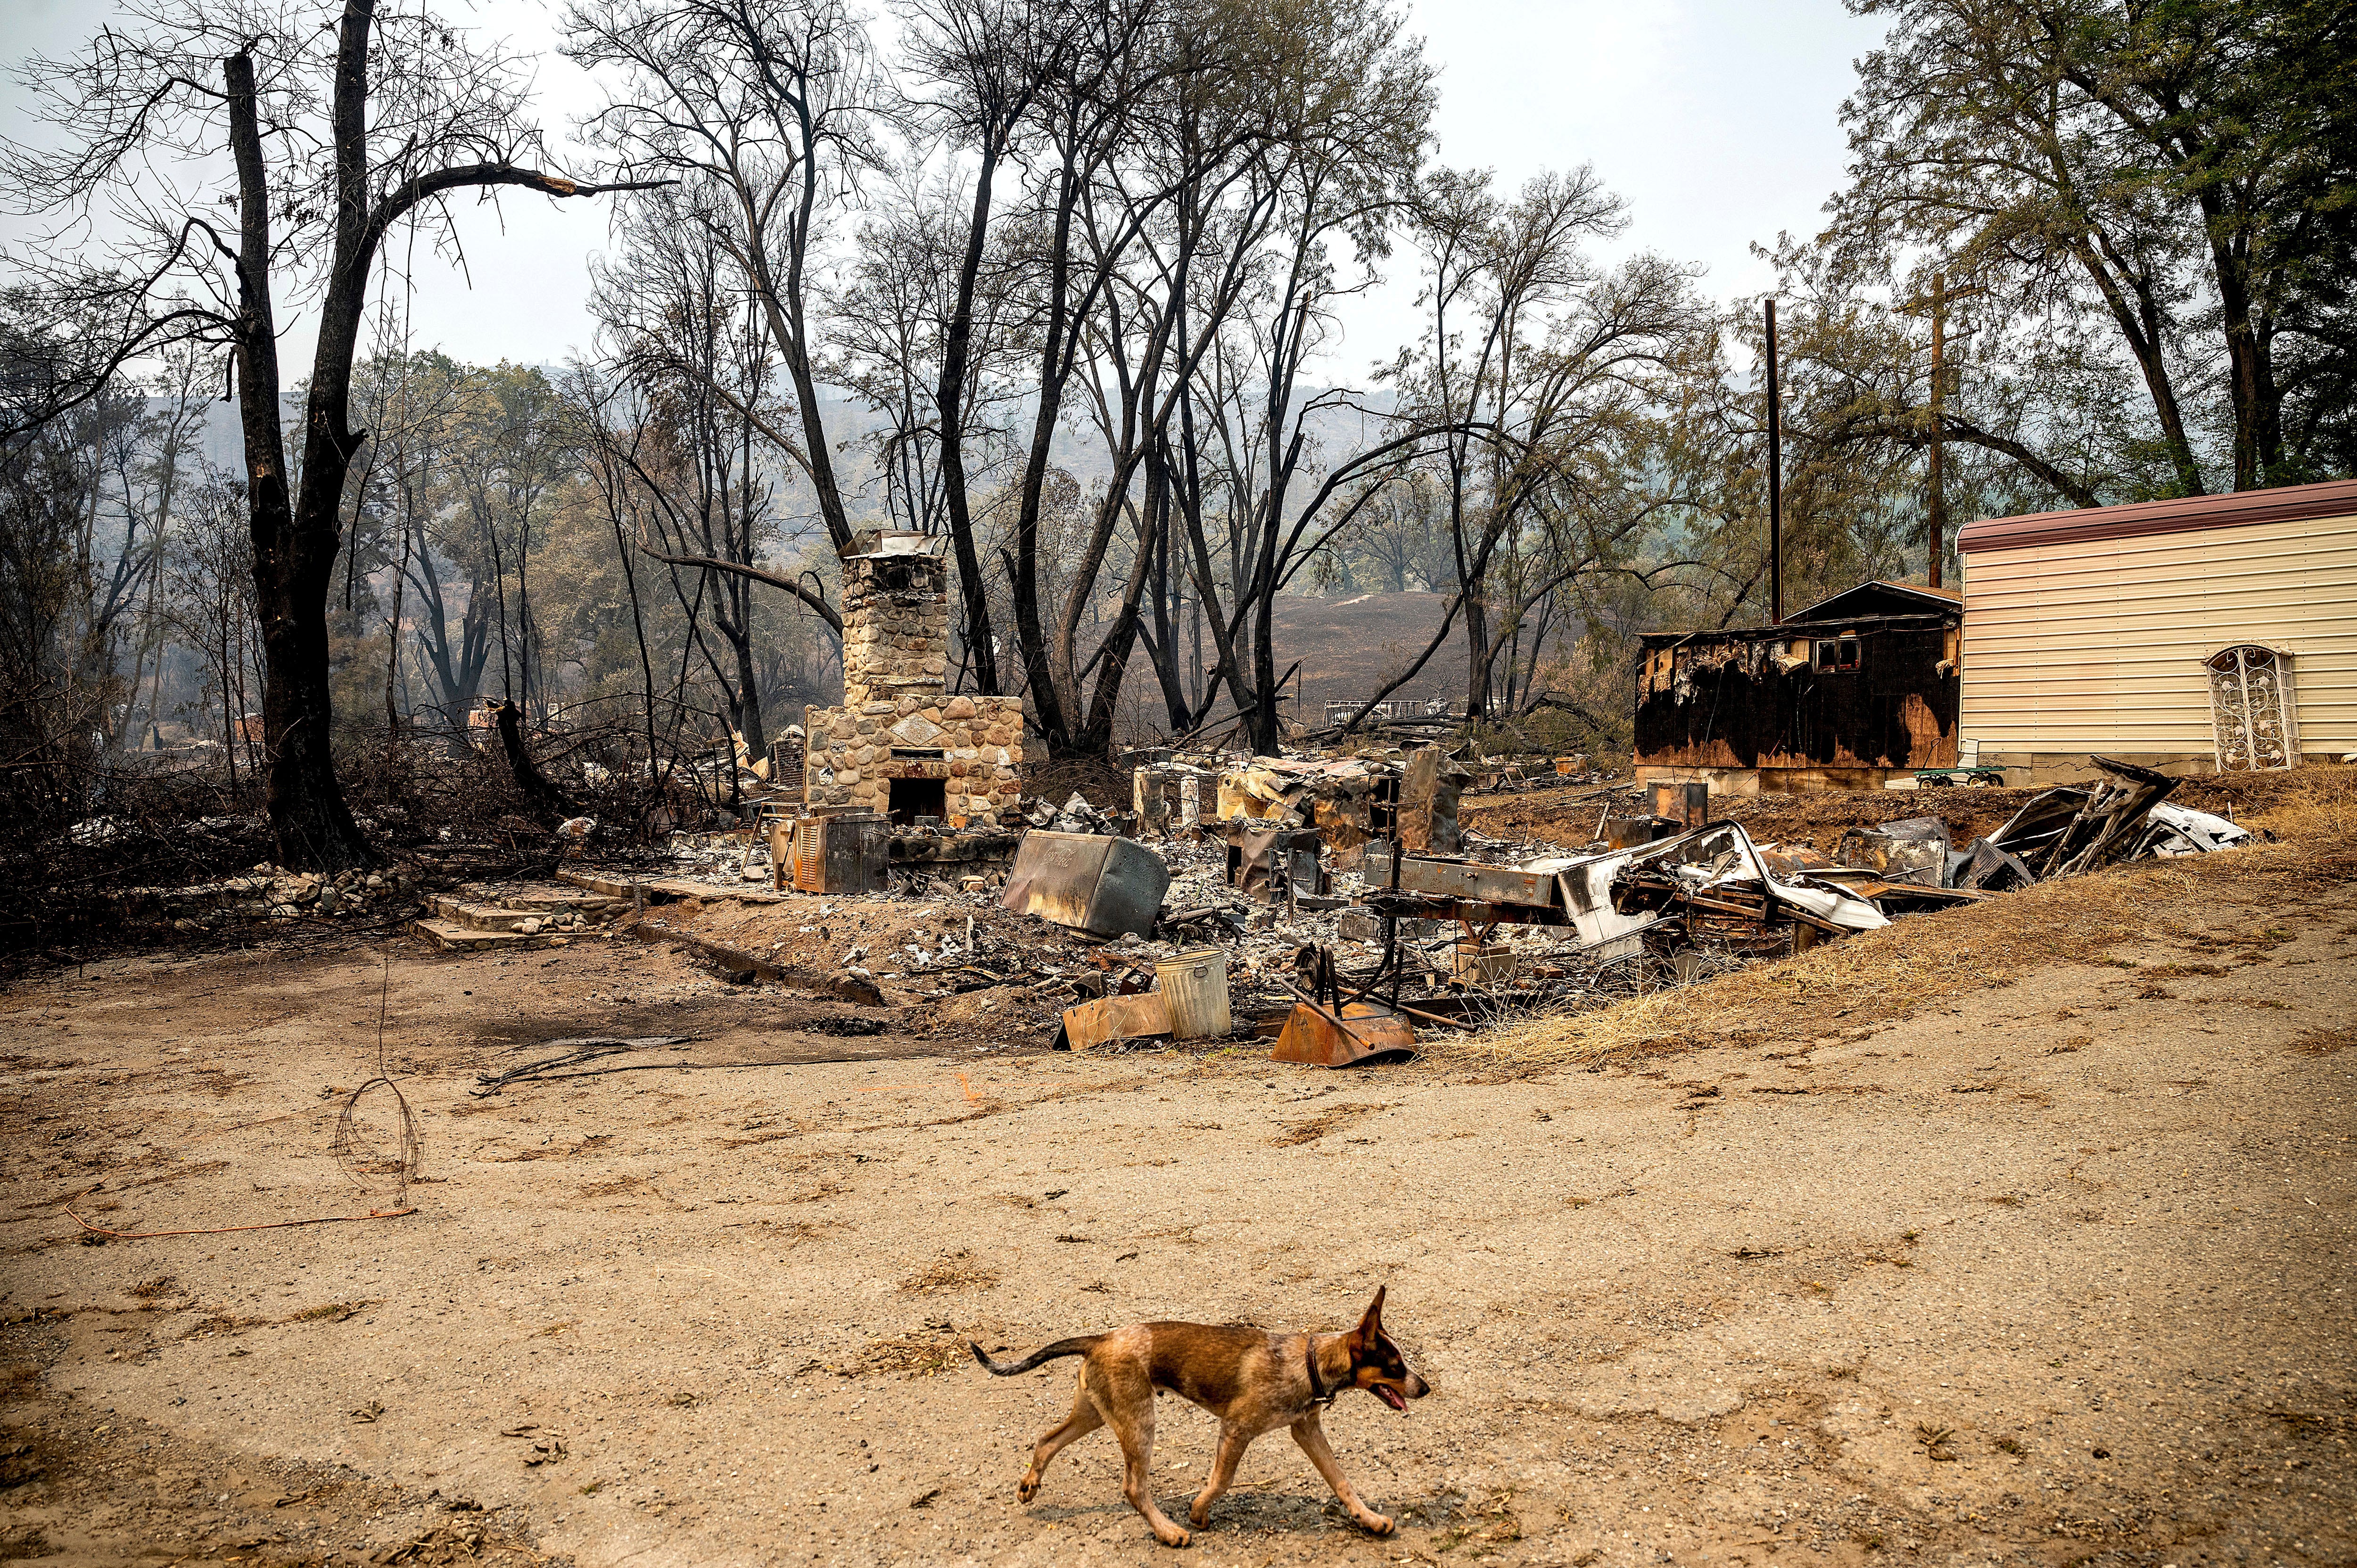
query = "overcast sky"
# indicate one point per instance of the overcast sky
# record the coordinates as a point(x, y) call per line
point(1715, 119)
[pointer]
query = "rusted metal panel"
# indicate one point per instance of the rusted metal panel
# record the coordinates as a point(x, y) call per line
point(1107, 885)
point(1116, 1018)
point(1364, 1032)
point(1273, 865)
point(1462, 879)
point(1685, 801)
point(846, 853)
point(1631, 833)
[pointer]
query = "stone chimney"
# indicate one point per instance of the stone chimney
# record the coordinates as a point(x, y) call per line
point(896, 617)
point(900, 744)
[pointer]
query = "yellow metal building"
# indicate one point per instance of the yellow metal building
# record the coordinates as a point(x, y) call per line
point(2215, 631)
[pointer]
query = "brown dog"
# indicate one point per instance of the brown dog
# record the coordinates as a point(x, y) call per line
point(1254, 1381)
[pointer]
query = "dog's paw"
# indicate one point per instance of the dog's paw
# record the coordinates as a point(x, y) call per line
point(1376, 1524)
point(1027, 1488)
point(1175, 1537)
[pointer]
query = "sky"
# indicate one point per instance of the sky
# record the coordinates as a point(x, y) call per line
point(1715, 119)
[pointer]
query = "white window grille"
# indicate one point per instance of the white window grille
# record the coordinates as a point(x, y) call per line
point(2253, 719)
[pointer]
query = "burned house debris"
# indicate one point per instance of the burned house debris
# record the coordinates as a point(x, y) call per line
point(1331, 904)
point(1335, 909)
point(1850, 693)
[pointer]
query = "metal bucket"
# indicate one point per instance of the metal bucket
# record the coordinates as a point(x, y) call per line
point(1195, 986)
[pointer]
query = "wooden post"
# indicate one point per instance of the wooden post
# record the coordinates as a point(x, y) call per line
point(1939, 499)
point(1775, 485)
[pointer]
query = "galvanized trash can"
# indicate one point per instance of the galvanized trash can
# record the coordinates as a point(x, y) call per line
point(1195, 987)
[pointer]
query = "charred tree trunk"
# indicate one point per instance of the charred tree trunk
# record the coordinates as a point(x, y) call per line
point(542, 798)
point(294, 547)
point(296, 538)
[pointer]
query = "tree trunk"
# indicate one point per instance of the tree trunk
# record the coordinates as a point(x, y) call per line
point(545, 801)
point(293, 565)
point(1477, 654)
point(981, 653)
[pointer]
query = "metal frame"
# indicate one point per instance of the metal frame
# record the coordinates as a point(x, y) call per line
point(2253, 713)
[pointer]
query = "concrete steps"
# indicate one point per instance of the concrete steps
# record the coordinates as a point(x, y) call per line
point(477, 919)
point(545, 909)
point(451, 936)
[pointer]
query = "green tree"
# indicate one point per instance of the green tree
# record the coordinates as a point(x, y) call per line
point(2183, 172)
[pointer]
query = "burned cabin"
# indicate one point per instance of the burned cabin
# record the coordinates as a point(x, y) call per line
point(1854, 692)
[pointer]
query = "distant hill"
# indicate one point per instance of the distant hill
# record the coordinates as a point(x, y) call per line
point(1349, 647)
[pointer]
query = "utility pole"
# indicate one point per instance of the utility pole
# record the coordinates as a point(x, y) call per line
point(1775, 484)
point(1937, 502)
point(1939, 506)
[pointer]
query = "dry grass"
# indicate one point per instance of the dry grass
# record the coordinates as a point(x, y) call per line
point(1893, 974)
point(2325, 1042)
point(910, 1356)
point(959, 1271)
point(327, 1311)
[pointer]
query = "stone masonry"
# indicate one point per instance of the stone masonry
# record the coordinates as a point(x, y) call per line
point(898, 721)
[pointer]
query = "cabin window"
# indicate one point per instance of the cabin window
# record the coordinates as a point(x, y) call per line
point(1835, 653)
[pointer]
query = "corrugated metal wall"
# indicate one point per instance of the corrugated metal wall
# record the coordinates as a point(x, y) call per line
point(2097, 646)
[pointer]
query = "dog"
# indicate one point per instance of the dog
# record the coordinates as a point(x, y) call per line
point(1254, 1381)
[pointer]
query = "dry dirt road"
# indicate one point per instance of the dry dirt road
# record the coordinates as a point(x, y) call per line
point(2052, 1271)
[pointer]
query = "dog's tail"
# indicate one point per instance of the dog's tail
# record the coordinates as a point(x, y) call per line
point(1080, 1347)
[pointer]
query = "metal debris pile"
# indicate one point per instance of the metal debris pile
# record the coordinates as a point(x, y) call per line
point(1665, 897)
point(1335, 907)
point(1710, 888)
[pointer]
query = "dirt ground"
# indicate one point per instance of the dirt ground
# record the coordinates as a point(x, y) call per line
point(2051, 1269)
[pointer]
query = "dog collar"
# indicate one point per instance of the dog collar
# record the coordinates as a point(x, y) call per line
point(1309, 1362)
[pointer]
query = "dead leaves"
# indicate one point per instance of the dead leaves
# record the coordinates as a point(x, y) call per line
point(959, 1271)
point(918, 1355)
point(2324, 1042)
point(547, 1447)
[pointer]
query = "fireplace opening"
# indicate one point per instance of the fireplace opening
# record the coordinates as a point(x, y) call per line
point(912, 798)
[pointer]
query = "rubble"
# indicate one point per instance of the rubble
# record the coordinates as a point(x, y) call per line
point(1335, 907)
point(1350, 802)
point(1111, 887)
point(273, 892)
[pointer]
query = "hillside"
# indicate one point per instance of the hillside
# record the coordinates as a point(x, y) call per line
point(1347, 647)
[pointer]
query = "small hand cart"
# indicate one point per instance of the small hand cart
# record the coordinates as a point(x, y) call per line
point(1968, 771)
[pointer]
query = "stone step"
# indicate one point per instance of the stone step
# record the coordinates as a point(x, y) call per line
point(454, 910)
point(624, 891)
point(544, 900)
point(605, 883)
point(453, 937)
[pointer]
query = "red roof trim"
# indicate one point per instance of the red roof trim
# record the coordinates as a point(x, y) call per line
point(2289, 503)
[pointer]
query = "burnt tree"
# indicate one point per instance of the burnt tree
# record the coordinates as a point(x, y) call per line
point(449, 120)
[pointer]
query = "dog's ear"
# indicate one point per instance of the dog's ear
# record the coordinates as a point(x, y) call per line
point(1371, 1327)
